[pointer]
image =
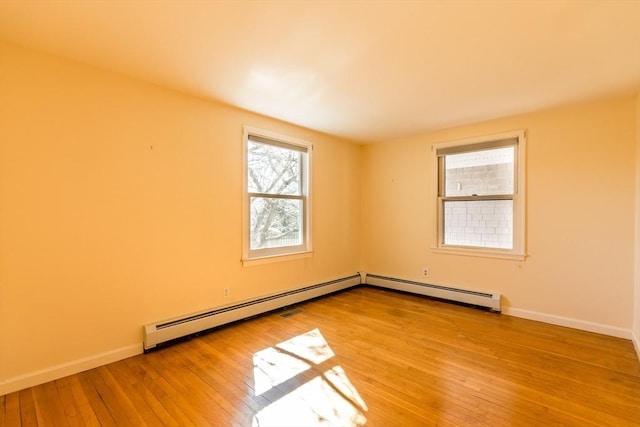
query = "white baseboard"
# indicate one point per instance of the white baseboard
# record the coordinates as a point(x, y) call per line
point(73, 367)
point(570, 323)
point(636, 343)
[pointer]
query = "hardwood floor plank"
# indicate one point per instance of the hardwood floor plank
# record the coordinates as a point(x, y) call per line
point(11, 410)
point(75, 403)
point(162, 391)
point(28, 414)
point(149, 408)
point(195, 404)
point(95, 399)
point(48, 407)
point(235, 393)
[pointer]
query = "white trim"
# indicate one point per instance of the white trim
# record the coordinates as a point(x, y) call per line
point(519, 199)
point(276, 254)
point(276, 258)
point(275, 136)
point(481, 252)
point(636, 343)
point(569, 322)
point(52, 373)
point(479, 139)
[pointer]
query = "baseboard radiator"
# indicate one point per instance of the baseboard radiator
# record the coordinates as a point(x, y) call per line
point(466, 296)
point(173, 329)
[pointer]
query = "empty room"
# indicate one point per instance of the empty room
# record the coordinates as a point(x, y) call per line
point(319, 213)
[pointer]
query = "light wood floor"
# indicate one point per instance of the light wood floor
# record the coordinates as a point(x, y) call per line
point(361, 357)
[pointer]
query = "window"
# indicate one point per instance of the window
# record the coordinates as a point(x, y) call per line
point(276, 195)
point(480, 195)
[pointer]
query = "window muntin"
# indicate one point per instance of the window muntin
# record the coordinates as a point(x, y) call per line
point(480, 195)
point(276, 206)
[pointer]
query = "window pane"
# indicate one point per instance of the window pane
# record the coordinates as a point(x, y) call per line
point(482, 223)
point(275, 223)
point(273, 170)
point(481, 173)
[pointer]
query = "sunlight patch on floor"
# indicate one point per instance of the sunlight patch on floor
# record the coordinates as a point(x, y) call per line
point(327, 399)
point(274, 365)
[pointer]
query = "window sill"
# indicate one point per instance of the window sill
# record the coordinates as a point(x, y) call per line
point(485, 253)
point(246, 262)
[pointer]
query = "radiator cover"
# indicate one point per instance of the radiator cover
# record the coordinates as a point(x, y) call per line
point(172, 329)
point(467, 296)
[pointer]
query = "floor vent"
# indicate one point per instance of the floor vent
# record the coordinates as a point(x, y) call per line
point(173, 329)
point(291, 313)
point(466, 296)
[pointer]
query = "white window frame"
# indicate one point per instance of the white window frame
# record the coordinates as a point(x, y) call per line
point(518, 251)
point(259, 256)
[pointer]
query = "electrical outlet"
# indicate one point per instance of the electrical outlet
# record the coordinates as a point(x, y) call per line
point(226, 292)
point(425, 272)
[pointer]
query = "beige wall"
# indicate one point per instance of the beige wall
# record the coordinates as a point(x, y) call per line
point(120, 204)
point(580, 215)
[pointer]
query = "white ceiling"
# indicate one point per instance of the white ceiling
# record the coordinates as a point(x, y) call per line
point(364, 70)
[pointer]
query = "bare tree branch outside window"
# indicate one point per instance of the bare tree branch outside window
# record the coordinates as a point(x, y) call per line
point(275, 189)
